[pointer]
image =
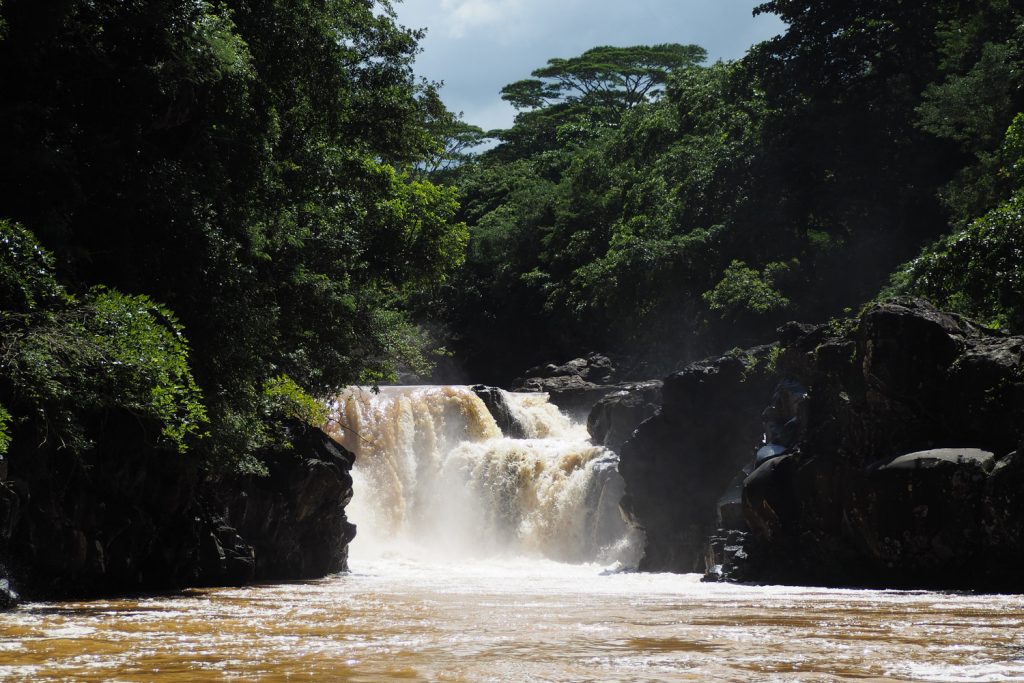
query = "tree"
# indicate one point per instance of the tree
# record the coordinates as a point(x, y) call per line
point(249, 165)
point(616, 77)
point(67, 362)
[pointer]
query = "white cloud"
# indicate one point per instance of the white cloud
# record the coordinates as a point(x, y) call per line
point(468, 15)
point(478, 46)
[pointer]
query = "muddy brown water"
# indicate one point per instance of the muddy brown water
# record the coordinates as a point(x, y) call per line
point(396, 619)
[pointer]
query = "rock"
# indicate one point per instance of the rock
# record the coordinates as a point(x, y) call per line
point(728, 559)
point(498, 406)
point(8, 596)
point(887, 455)
point(679, 463)
point(768, 498)
point(594, 368)
point(575, 387)
point(141, 519)
point(617, 415)
point(294, 519)
point(870, 492)
point(1003, 519)
point(572, 394)
point(730, 504)
point(916, 518)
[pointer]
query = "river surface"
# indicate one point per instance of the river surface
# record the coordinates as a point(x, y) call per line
point(486, 558)
point(517, 620)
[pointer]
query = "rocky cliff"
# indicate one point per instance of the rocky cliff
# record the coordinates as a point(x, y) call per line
point(119, 521)
point(680, 461)
point(884, 452)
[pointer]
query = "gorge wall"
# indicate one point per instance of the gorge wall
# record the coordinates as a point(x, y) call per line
point(886, 454)
point(122, 521)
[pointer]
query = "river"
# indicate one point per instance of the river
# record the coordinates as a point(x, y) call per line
point(488, 559)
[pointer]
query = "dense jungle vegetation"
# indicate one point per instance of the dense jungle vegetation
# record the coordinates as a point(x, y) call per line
point(213, 214)
point(698, 214)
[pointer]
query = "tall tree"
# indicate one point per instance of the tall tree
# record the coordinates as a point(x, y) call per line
point(616, 77)
point(248, 163)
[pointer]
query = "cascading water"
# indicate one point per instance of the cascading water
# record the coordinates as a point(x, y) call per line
point(435, 477)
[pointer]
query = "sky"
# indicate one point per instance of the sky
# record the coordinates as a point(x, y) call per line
point(478, 46)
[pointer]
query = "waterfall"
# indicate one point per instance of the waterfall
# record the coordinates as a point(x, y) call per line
point(434, 474)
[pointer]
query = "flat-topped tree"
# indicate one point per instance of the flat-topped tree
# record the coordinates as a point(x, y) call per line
point(617, 77)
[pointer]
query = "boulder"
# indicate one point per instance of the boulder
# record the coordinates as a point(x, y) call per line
point(886, 451)
point(503, 416)
point(294, 518)
point(575, 387)
point(918, 516)
point(902, 472)
point(617, 415)
point(134, 520)
point(681, 461)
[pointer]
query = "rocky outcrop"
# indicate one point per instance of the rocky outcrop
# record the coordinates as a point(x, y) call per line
point(295, 517)
point(888, 454)
point(616, 416)
point(502, 413)
point(679, 462)
point(906, 470)
point(576, 386)
point(119, 520)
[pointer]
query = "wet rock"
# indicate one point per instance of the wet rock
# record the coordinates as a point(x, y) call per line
point(728, 559)
point(294, 519)
point(498, 406)
point(730, 504)
point(902, 470)
point(617, 415)
point(679, 463)
point(575, 387)
point(8, 596)
point(886, 455)
point(768, 498)
point(595, 368)
point(919, 514)
point(130, 519)
point(572, 394)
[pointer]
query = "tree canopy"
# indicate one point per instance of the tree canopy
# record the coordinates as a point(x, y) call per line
point(252, 166)
point(682, 213)
point(615, 77)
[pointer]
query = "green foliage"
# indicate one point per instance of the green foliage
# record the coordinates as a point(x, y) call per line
point(144, 363)
point(977, 271)
point(64, 361)
point(5, 430)
point(745, 290)
point(616, 78)
point(286, 399)
point(27, 281)
point(772, 365)
point(257, 167)
point(972, 103)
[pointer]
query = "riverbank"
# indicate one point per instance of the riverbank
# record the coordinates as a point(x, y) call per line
point(883, 451)
point(119, 521)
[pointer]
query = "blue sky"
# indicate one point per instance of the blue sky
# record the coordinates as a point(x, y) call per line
point(478, 46)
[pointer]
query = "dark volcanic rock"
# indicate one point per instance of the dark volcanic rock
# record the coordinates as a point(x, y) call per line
point(123, 520)
point(919, 513)
point(495, 401)
point(904, 471)
point(890, 457)
point(594, 368)
point(575, 387)
point(679, 463)
point(295, 518)
point(574, 395)
point(617, 415)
